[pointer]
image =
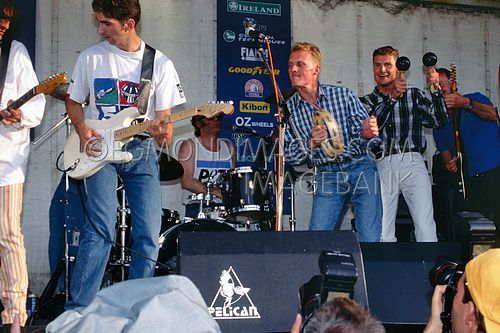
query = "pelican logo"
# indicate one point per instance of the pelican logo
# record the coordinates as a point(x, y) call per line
point(232, 300)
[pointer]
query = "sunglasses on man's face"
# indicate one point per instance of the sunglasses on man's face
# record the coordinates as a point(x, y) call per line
point(219, 118)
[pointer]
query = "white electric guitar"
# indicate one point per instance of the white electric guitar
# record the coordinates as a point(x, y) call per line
point(116, 131)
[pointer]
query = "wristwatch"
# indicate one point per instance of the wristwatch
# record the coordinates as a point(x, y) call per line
point(471, 106)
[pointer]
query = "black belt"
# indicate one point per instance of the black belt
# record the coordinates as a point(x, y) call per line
point(142, 137)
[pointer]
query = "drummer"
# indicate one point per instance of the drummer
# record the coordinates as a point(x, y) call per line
point(204, 157)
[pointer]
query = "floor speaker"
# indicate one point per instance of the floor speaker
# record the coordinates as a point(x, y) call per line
point(250, 280)
point(397, 276)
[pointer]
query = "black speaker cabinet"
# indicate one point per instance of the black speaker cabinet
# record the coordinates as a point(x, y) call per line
point(397, 276)
point(250, 280)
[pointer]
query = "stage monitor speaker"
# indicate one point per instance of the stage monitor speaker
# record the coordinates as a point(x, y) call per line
point(397, 276)
point(250, 280)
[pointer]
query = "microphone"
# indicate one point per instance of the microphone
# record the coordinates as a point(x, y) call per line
point(251, 32)
point(245, 130)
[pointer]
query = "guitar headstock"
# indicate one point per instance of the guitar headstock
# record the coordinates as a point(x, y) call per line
point(46, 86)
point(210, 110)
point(453, 78)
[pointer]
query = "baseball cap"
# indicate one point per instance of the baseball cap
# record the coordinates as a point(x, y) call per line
point(483, 280)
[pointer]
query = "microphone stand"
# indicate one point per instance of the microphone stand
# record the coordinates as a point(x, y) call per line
point(284, 119)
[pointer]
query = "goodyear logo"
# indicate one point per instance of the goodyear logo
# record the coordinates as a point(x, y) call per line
point(256, 70)
point(251, 7)
point(254, 107)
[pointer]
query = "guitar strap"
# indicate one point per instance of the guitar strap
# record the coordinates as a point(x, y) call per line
point(4, 60)
point(148, 60)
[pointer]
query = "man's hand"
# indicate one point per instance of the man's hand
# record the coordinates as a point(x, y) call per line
point(297, 324)
point(11, 116)
point(449, 161)
point(369, 127)
point(216, 192)
point(451, 165)
point(318, 135)
point(399, 87)
point(456, 100)
point(432, 78)
point(161, 131)
point(434, 325)
point(90, 139)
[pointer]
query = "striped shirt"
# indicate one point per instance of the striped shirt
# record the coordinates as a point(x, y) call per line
point(347, 110)
point(401, 122)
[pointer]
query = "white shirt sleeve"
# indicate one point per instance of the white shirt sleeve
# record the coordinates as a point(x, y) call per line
point(19, 79)
point(168, 91)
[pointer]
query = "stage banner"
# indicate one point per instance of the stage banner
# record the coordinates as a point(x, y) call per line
point(243, 77)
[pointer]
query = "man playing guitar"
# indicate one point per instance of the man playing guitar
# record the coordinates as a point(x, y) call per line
point(110, 73)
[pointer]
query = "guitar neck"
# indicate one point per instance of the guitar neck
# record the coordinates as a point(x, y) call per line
point(23, 99)
point(129, 132)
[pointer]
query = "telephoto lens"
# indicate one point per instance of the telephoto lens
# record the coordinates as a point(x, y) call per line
point(447, 271)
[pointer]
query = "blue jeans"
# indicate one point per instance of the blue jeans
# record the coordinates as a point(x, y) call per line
point(141, 182)
point(337, 183)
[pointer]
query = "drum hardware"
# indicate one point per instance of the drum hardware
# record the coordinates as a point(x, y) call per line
point(123, 210)
point(291, 219)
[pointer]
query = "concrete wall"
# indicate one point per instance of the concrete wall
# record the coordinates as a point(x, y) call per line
point(346, 31)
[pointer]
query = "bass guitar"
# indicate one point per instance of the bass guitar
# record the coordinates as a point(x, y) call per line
point(456, 131)
point(44, 87)
point(116, 131)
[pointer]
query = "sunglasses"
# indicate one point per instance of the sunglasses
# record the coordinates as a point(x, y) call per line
point(219, 117)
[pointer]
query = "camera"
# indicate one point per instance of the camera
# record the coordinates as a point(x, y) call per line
point(337, 279)
point(446, 271)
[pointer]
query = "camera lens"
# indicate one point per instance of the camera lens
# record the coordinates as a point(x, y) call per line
point(444, 270)
point(310, 296)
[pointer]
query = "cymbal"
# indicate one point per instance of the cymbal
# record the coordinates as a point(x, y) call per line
point(60, 91)
point(170, 168)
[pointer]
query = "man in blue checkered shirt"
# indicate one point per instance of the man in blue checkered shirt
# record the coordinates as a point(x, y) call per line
point(402, 113)
point(350, 175)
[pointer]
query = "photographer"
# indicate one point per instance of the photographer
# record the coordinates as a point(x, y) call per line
point(476, 305)
point(340, 315)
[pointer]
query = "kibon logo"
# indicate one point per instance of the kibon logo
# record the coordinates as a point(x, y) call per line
point(251, 7)
point(232, 300)
point(229, 36)
point(254, 107)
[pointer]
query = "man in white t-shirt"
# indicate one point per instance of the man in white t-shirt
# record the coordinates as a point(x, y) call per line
point(14, 150)
point(109, 73)
point(203, 158)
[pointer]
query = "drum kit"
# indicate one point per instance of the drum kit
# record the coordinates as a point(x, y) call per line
point(245, 206)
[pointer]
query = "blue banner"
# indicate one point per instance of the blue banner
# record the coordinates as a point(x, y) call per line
point(23, 26)
point(243, 77)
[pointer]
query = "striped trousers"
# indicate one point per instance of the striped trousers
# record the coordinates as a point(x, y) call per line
point(13, 268)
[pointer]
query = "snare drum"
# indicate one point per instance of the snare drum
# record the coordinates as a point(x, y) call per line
point(246, 194)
